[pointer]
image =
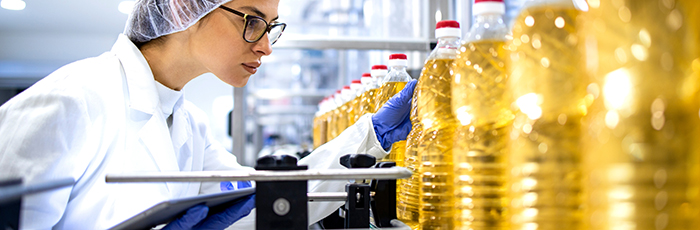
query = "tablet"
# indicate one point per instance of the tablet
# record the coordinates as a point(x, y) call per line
point(167, 211)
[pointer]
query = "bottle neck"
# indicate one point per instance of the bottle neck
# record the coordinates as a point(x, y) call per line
point(488, 19)
point(448, 42)
point(376, 81)
point(399, 68)
point(488, 26)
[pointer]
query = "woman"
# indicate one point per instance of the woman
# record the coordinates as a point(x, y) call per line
point(123, 112)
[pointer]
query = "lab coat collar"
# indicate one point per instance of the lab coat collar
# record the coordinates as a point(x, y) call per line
point(141, 87)
point(143, 96)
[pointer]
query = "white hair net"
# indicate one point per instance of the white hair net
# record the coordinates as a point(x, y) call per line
point(151, 19)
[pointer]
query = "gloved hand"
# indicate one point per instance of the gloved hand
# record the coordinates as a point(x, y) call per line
point(392, 122)
point(228, 186)
point(194, 218)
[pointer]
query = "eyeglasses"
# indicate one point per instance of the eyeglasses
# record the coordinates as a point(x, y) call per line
point(256, 27)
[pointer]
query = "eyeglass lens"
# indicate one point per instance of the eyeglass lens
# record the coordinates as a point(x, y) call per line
point(275, 33)
point(256, 29)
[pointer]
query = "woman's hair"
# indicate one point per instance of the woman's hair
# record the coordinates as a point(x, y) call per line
point(151, 19)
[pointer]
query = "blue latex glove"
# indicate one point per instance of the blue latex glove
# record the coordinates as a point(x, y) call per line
point(194, 218)
point(228, 186)
point(392, 122)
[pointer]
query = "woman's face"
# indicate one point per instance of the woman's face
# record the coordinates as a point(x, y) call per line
point(219, 46)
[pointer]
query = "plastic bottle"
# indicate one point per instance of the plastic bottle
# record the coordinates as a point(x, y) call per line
point(368, 95)
point(318, 125)
point(481, 106)
point(550, 99)
point(369, 104)
point(692, 17)
point(378, 73)
point(342, 119)
point(407, 189)
point(641, 143)
point(395, 79)
point(391, 84)
point(354, 104)
point(433, 110)
point(335, 114)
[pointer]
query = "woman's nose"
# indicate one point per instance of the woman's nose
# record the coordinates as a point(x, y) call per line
point(263, 46)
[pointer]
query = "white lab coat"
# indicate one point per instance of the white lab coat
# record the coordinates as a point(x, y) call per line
point(101, 116)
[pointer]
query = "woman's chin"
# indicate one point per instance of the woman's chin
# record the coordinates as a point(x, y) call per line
point(239, 81)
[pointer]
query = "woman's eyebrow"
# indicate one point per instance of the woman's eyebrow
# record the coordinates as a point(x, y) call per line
point(258, 12)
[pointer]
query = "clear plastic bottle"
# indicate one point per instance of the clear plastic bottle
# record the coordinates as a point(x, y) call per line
point(368, 96)
point(481, 106)
point(395, 79)
point(354, 104)
point(407, 189)
point(378, 72)
point(391, 84)
point(692, 17)
point(641, 143)
point(434, 148)
point(346, 96)
point(328, 107)
point(318, 138)
point(333, 117)
point(549, 93)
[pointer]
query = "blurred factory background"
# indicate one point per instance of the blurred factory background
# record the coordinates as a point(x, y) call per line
point(327, 44)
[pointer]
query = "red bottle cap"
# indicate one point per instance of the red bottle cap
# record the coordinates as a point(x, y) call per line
point(447, 24)
point(381, 66)
point(398, 56)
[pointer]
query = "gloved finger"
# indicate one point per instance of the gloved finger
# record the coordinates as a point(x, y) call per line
point(402, 100)
point(244, 184)
point(228, 185)
point(229, 216)
point(409, 88)
point(401, 131)
point(392, 113)
point(189, 219)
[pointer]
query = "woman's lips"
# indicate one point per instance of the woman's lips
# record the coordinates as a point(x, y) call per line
point(250, 68)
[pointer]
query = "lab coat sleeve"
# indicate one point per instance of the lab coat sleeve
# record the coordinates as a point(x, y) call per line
point(45, 138)
point(356, 139)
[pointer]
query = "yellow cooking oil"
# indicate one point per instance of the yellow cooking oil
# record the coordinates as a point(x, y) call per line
point(368, 101)
point(356, 113)
point(407, 189)
point(317, 130)
point(386, 91)
point(341, 121)
point(323, 129)
point(434, 146)
point(548, 88)
point(692, 17)
point(481, 106)
point(332, 124)
point(641, 145)
point(353, 111)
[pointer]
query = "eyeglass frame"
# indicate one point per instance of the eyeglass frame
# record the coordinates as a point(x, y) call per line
point(246, 21)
